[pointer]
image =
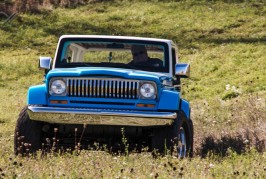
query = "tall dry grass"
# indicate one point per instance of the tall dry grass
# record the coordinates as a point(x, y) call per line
point(238, 125)
point(35, 6)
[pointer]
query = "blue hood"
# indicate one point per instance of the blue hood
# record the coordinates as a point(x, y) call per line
point(103, 71)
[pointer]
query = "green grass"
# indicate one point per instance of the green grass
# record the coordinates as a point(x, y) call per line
point(102, 165)
point(223, 42)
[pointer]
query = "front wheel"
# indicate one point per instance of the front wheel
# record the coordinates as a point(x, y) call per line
point(182, 139)
point(27, 138)
point(182, 143)
point(178, 138)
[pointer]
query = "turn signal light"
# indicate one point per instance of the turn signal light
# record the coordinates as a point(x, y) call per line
point(58, 102)
point(145, 105)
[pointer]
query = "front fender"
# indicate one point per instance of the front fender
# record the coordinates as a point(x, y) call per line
point(185, 107)
point(169, 100)
point(37, 95)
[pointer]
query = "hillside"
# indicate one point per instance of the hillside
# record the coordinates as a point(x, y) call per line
point(225, 43)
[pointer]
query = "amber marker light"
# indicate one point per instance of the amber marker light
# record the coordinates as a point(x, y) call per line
point(145, 105)
point(58, 102)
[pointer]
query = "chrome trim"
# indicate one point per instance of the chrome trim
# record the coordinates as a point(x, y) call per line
point(149, 82)
point(182, 70)
point(87, 85)
point(100, 116)
point(94, 88)
point(110, 88)
point(129, 90)
point(45, 63)
point(126, 91)
point(122, 89)
point(75, 88)
point(65, 93)
point(118, 89)
point(136, 90)
point(98, 87)
point(114, 86)
point(103, 87)
point(82, 87)
point(133, 90)
point(90, 88)
point(106, 87)
point(79, 87)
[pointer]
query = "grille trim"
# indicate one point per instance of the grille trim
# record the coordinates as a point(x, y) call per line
point(103, 88)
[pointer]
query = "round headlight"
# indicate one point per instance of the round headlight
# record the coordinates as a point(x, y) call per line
point(58, 87)
point(147, 90)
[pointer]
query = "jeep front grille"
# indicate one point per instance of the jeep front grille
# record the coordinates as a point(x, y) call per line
point(103, 88)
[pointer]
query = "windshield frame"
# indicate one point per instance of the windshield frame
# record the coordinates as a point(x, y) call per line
point(63, 41)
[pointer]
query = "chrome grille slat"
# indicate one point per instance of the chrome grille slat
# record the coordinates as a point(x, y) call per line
point(126, 91)
point(98, 88)
point(122, 89)
point(114, 83)
point(110, 88)
point(129, 89)
point(94, 88)
point(106, 88)
point(75, 87)
point(82, 87)
point(90, 88)
point(118, 89)
point(79, 87)
point(102, 88)
point(86, 89)
point(136, 89)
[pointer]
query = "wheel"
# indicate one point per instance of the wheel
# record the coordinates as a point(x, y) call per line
point(182, 139)
point(178, 138)
point(182, 143)
point(27, 138)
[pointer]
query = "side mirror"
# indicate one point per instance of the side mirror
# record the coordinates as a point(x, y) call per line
point(45, 63)
point(182, 70)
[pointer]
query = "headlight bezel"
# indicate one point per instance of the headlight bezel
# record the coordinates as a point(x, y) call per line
point(52, 81)
point(153, 84)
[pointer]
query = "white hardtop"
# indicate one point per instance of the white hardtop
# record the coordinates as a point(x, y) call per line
point(118, 37)
point(169, 42)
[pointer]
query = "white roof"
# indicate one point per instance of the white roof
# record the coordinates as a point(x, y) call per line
point(117, 37)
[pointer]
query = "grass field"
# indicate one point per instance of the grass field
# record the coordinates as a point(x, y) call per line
point(225, 43)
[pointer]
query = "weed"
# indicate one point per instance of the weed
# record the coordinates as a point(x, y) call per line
point(125, 142)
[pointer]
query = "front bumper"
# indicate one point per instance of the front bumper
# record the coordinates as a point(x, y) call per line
point(100, 116)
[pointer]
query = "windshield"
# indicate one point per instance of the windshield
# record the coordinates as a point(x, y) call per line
point(147, 56)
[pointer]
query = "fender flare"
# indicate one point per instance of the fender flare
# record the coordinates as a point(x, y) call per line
point(185, 107)
point(37, 95)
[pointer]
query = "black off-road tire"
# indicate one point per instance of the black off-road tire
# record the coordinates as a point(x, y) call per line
point(182, 139)
point(168, 137)
point(28, 134)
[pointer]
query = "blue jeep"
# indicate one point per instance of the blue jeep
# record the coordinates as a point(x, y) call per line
point(98, 85)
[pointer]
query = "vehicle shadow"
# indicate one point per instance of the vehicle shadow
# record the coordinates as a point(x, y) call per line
point(237, 143)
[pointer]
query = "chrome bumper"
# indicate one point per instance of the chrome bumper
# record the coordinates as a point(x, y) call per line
point(100, 116)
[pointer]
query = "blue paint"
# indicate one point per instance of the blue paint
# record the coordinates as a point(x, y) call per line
point(37, 95)
point(102, 71)
point(169, 100)
point(185, 107)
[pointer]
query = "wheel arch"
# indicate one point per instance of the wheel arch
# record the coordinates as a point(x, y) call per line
point(184, 106)
point(187, 124)
point(37, 95)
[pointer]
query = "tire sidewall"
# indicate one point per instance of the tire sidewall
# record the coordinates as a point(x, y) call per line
point(187, 125)
point(27, 132)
